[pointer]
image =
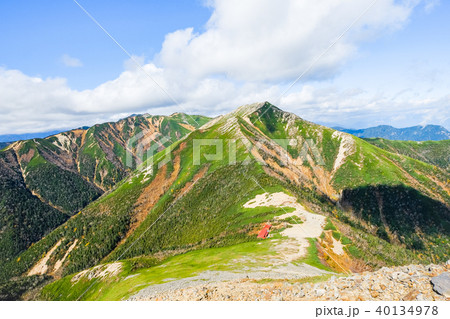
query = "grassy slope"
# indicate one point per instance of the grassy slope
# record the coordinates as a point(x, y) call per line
point(177, 267)
point(210, 209)
point(398, 198)
point(432, 152)
point(208, 223)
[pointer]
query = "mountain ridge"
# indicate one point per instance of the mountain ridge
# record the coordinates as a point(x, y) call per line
point(63, 173)
point(413, 133)
point(178, 206)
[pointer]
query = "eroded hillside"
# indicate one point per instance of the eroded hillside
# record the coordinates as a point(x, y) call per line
point(45, 181)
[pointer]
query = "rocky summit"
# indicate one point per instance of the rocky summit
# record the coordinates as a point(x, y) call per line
point(405, 283)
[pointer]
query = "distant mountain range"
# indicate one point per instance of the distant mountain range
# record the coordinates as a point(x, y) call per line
point(3, 145)
point(413, 133)
point(26, 136)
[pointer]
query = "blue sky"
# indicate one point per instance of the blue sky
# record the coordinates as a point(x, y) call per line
point(40, 32)
point(59, 70)
point(415, 55)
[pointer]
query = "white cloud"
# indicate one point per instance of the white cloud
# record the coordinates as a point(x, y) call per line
point(356, 108)
point(71, 62)
point(246, 51)
point(267, 40)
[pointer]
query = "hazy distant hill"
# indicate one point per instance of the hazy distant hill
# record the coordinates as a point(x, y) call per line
point(3, 145)
point(413, 133)
point(26, 136)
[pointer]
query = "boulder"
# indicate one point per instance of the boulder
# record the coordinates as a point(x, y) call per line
point(441, 284)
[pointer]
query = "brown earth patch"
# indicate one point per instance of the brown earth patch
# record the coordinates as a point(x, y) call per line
point(78, 132)
point(153, 192)
point(294, 170)
point(291, 174)
point(324, 181)
point(305, 170)
point(83, 138)
point(27, 157)
point(338, 261)
point(187, 126)
point(41, 266)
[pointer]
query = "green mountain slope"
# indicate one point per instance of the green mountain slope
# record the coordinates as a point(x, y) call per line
point(431, 152)
point(406, 201)
point(63, 173)
point(180, 200)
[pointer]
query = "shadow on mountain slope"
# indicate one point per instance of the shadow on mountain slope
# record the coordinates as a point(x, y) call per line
point(401, 214)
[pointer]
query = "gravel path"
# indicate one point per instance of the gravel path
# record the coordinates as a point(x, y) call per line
point(289, 272)
point(405, 283)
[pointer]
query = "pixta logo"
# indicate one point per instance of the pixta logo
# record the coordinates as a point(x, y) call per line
point(226, 150)
point(142, 148)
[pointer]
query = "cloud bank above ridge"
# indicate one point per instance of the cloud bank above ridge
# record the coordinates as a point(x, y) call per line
point(249, 51)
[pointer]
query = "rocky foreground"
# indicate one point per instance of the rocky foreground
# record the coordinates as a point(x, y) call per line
point(408, 283)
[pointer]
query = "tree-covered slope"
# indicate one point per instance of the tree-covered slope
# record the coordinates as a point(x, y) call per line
point(24, 219)
point(50, 173)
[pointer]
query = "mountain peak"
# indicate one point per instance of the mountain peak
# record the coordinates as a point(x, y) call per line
point(242, 111)
point(248, 109)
